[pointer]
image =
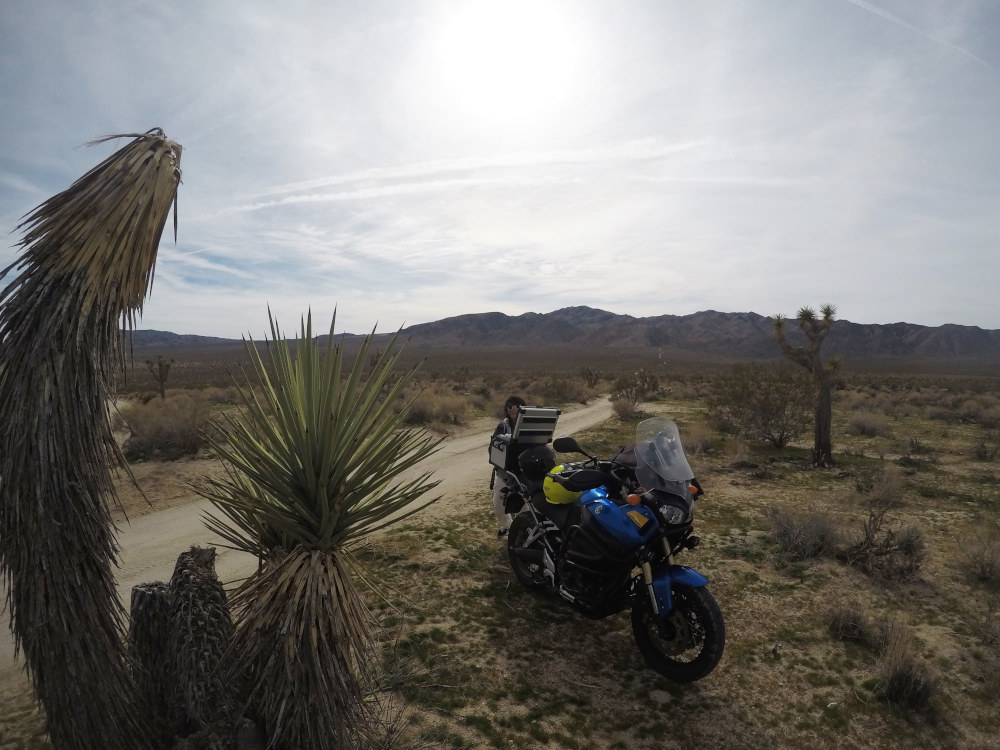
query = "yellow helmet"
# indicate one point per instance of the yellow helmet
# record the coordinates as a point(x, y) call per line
point(555, 493)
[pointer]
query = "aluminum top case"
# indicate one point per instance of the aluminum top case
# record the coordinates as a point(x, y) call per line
point(534, 425)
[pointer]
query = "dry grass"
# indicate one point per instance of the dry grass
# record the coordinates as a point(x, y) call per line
point(982, 550)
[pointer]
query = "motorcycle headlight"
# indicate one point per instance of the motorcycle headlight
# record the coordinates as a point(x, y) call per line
point(672, 515)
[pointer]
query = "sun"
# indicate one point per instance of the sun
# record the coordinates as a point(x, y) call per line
point(507, 62)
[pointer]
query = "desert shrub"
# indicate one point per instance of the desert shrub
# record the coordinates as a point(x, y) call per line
point(911, 550)
point(647, 381)
point(917, 455)
point(166, 428)
point(560, 391)
point(851, 400)
point(969, 410)
point(626, 395)
point(881, 485)
point(590, 377)
point(215, 395)
point(698, 440)
point(882, 448)
point(982, 409)
point(986, 446)
point(880, 634)
point(868, 425)
point(803, 536)
point(989, 418)
point(880, 550)
point(460, 377)
point(773, 404)
point(431, 407)
point(888, 633)
point(850, 624)
point(626, 404)
point(739, 450)
point(904, 681)
point(986, 624)
point(943, 414)
point(629, 390)
point(688, 391)
point(873, 400)
point(982, 551)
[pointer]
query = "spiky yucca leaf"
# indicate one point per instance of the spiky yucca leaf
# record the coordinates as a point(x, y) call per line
point(86, 265)
point(314, 460)
point(317, 449)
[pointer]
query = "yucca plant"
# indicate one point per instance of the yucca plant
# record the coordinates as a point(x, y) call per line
point(315, 459)
point(86, 265)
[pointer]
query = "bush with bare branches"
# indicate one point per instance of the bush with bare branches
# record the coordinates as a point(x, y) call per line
point(884, 551)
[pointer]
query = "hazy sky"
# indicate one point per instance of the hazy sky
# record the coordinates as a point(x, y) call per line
point(410, 160)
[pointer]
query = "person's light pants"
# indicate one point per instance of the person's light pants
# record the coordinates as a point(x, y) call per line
point(503, 519)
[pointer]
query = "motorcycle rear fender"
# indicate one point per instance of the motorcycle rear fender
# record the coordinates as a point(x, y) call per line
point(665, 577)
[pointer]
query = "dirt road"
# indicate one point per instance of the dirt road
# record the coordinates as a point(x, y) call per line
point(150, 543)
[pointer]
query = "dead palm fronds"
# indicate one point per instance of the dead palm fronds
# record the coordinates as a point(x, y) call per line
point(315, 460)
point(87, 262)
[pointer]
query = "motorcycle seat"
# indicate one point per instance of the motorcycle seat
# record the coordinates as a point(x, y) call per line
point(558, 514)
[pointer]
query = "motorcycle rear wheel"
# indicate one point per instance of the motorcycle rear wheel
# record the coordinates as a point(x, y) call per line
point(528, 573)
point(688, 643)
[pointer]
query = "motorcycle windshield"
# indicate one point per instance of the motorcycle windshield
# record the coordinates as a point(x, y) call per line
point(660, 458)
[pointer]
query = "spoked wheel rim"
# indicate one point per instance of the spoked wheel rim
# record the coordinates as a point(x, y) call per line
point(527, 572)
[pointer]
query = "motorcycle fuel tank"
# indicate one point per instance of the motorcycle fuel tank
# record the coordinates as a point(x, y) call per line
point(629, 525)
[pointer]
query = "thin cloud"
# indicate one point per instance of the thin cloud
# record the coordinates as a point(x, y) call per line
point(412, 188)
point(185, 261)
point(16, 182)
point(639, 150)
point(920, 32)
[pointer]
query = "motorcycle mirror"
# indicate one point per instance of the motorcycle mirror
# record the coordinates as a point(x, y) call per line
point(567, 445)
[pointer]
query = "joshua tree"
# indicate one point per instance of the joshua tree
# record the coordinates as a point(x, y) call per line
point(86, 266)
point(808, 357)
point(314, 463)
point(160, 369)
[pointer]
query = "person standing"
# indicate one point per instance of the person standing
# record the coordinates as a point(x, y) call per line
point(498, 483)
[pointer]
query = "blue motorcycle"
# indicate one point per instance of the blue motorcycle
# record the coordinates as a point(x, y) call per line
point(604, 533)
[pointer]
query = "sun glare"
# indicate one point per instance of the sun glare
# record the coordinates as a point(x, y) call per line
point(507, 62)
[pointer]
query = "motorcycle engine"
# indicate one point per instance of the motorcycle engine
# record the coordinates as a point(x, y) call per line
point(594, 569)
point(595, 595)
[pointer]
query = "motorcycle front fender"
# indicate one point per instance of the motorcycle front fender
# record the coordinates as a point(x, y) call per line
point(669, 575)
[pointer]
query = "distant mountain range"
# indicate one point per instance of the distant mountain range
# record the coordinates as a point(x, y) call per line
point(730, 335)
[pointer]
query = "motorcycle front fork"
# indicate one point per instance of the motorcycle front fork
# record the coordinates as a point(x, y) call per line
point(647, 576)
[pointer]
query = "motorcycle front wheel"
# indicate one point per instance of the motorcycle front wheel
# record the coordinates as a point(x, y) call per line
point(527, 571)
point(685, 645)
